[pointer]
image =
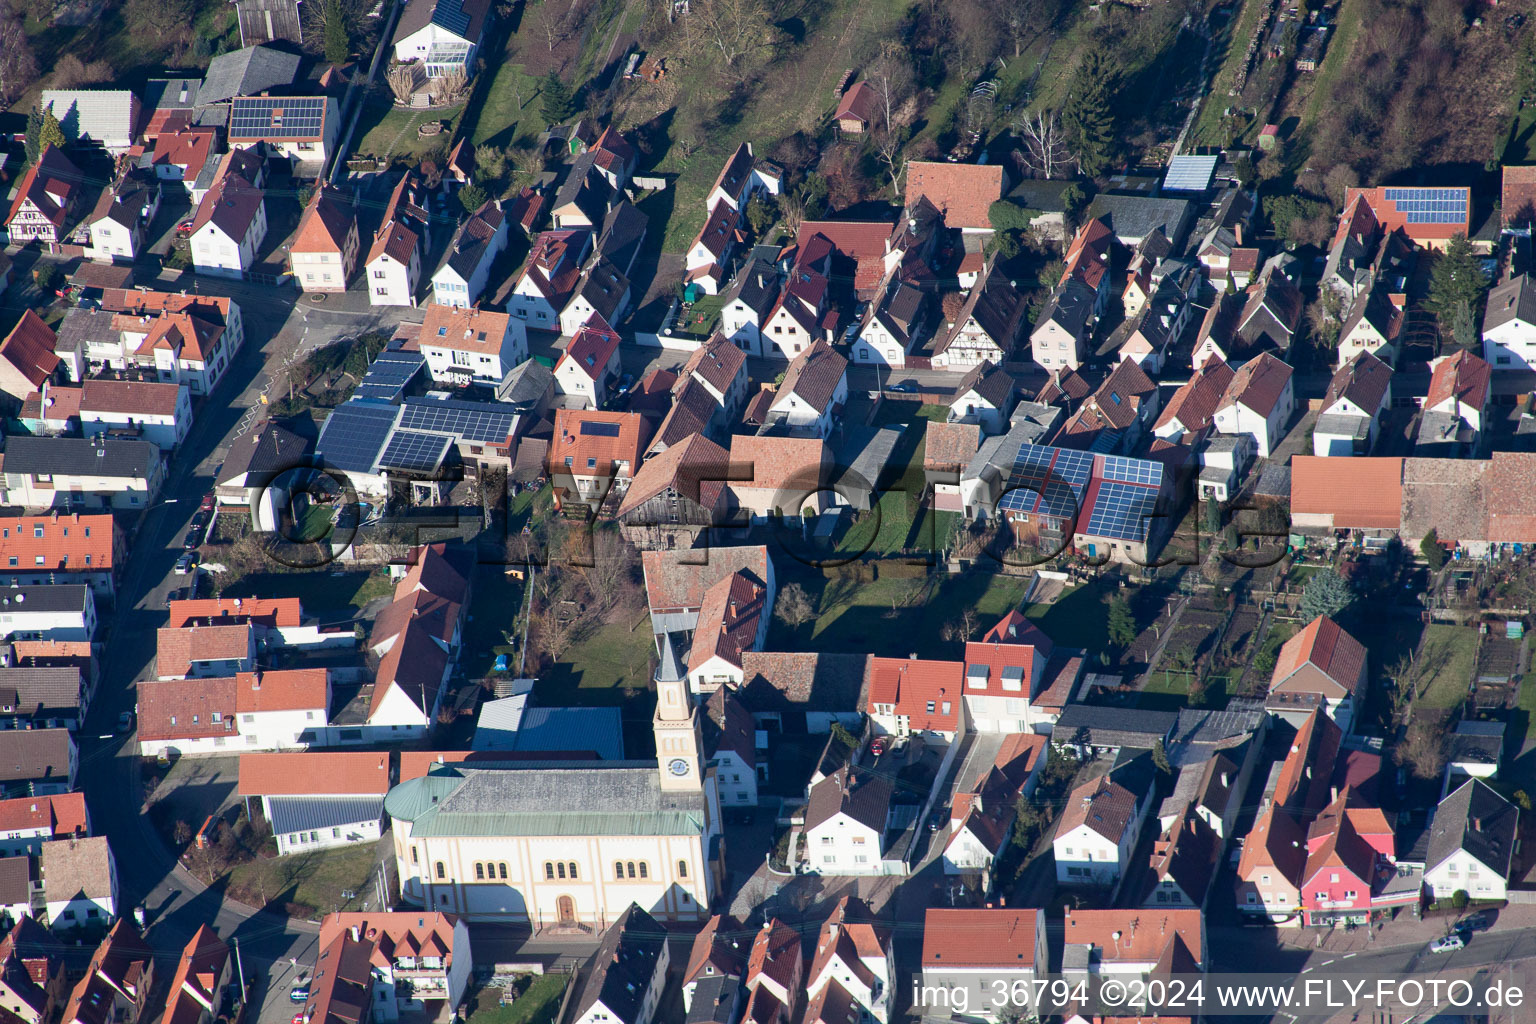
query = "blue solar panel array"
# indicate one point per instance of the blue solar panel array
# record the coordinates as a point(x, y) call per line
point(1120, 511)
point(388, 375)
point(277, 117)
point(353, 435)
point(1430, 205)
point(475, 422)
point(1050, 481)
point(413, 451)
point(1056, 482)
point(449, 14)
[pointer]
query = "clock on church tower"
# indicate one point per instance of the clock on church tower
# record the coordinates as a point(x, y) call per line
point(679, 742)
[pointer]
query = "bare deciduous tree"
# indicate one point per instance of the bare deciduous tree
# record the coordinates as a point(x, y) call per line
point(736, 29)
point(793, 606)
point(1422, 749)
point(1045, 145)
point(18, 67)
point(402, 81)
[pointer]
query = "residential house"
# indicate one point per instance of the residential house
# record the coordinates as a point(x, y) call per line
point(1472, 841)
point(79, 879)
point(588, 365)
point(614, 158)
point(26, 822)
point(1148, 336)
point(1223, 460)
point(676, 581)
point(247, 710)
point(947, 449)
point(793, 325)
point(186, 339)
point(77, 473)
point(963, 193)
point(1271, 313)
point(721, 369)
point(1088, 260)
point(704, 264)
point(1269, 873)
point(583, 198)
point(323, 253)
point(315, 801)
point(121, 216)
point(197, 994)
point(676, 495)
point(1117, 415)
point(393, 264)
point(61, 611)
point(443, 36)
point(1475, 751)
point(60, 548)
point(733, 618)
point(1303, 785)
point(229, 227)
point(601, 291)
point(42, 696)
point(1133, 942)
point(1452, 419)
point(302, 129)
point(1349, 419)
point(1004, 670)
point(985, 396)
point(1350, 852)
point(45, 200)
point(846, 816)
point(117, 982)
point(814, 390)
point(717, 961)
point(1372, 324)
point(594, 455)
point(401, 964)
point(917, 697)
point(1259, 401)
point(465, 343)
point(854, 955)
point(1225, 259)
point(462, 276)
point(1185, 859)
point(159, 413)
point(729, 739)
point(974, 947)
point(544, 285)
point(981, 818)
point(1061, 334)
point(1320, 667)
point(1509, 325)
point(821, 688)
point(179, 158)
point(33, 984)
point(254, 462)
point(1193, 406)
point(987, 326)
point(775, 969)
point(1430, 217)
point(747, 304)
point(742, 177)
point(40, 762)
point(1101, 825)
point(627, 974)
point(893, 326)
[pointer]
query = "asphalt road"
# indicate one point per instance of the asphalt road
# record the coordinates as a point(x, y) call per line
point(278, 323)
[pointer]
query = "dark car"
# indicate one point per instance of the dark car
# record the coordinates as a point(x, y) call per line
point(199, 519)
point(194, 538)
point(1479, 922)
point(904, 387)
point(125, 722)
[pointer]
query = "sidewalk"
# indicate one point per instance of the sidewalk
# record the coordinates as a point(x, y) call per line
point(1404, 930)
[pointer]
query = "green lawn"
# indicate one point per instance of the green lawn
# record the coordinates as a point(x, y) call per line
point(538, 1003)
point(389, 132)
point(325, 592)
point(594, 670)
point(315, 880)
point(1077, 618)
point(500, 119)
point(1449, 652)
point(1238, 31)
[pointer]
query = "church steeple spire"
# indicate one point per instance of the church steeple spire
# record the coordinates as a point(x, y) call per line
point(676, 725)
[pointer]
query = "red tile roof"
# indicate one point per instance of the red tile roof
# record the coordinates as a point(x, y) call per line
point(1088, 256)
point(314, 773)
point(1305, 774)
point(1392, 217)
point(928, 693)
point(1461, 377)
point(51, 178)
point(1360, 493)
point(585, 436)
point(189, 149)
point(859, 103)
point(130, 397)
point(70, 542)
point(964, 193)
point(1135, 935)
point(1363, 380)
point(1324, 645)
point(327, 222)
point(1259, 384)
point(61, 815)
point(861, 241)
point(294, 689)
point(231, 204)
point(1194, 405)
point(463, 328)
point(271, 612)
point(1001, 938)
point(728, 620)
point(30, 348)
point(775, 954)
point(179, 648)
point(183, 709)
point(1105, 807)
point(1511, 498)
point(791, 465)
point(1275, 841)
point(1518, 205)
point(592, 348)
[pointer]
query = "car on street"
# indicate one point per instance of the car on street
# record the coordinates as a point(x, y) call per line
point(1479, 922)
point(193, 539)
point(206, 505)
point(186, 563)
point(199, 519)
point(125, 721)
point(1448, 944)
point(903, 387)
point(176, 594)
point(299, 993)
point(877, 746)
point(936, 820)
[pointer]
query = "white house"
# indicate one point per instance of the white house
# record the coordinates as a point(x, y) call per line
point(393, 267)
point(730, 739)
point(748, 301)
point(466, 266)
point(26, 822)
point(589, 362)
point(324, 251)
point(302, 129)
point(1259, 401)
point(462, 343)
point(57, 611)
point(893, 326)
point(230, 225)
point(280, 709)
point(704, 263)
point(791, 328)
point(742, 177)
point(544, 285)
point(1459, 388)
point(1509, 325)
point(1350, 416)
point(121, 216)
point(987, 327)
point(981, 817)
point(628, 973)
point(602, 290)
point(815, 387)
point(972, 947)
point(188, 339)
point(1373, 324)
point(1099, 830)
point(986, 397)
point(160, 413)
point(318, 800)
point(443, 35)
point(845, 822)
point(1472, 840)
point(853, 954)
point(79, 882)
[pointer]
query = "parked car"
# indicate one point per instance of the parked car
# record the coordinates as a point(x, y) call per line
point(207, 503)
point(299, 993)
point(904, 387)
point(1448, 944)
point(877, 746)
point(1479, 922)
point(125, 722)
point(937, 820)
point(199, 519)
point(175, 594)
point(193, 539)
point(186, 563)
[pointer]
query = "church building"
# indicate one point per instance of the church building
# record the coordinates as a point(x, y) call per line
point(568, 843)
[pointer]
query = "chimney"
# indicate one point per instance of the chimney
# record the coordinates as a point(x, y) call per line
point(356, 934)
point(1477, 824)
point(255, 680)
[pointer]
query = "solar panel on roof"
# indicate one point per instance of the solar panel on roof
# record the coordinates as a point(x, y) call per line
point(592, 429)
point(353, 435)
point(277, 117)
point(1050, 481)
point(450, 15)
point(413, 451)
point(1190, 173)
point(476, 422)
point(1121, 510)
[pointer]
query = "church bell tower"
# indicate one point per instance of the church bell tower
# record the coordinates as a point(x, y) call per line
point(679, 743)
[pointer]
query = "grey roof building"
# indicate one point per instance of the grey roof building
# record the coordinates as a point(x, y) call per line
point(1477, 821)
point(49, 694)
point(247, 72)
point(624, 969)
point(107, 117)
point(81, 456)
point(307, 813)
point(1133, 218)
point(1107, 727)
